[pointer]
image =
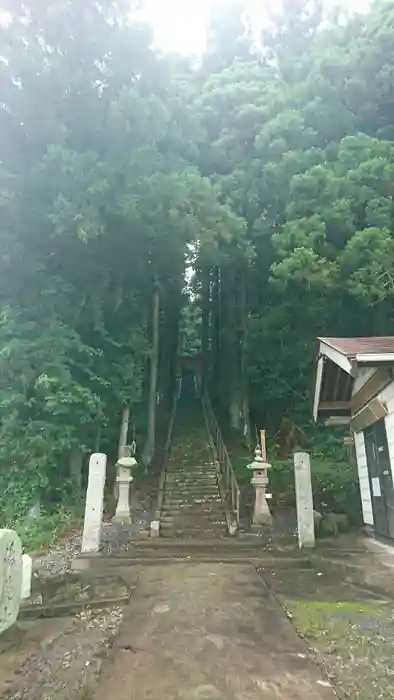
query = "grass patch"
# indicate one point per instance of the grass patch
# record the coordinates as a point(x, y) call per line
point(46, 531)
point(354, 641)
point(329, 607)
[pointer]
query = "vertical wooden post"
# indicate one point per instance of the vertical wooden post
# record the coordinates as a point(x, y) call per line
point(263, 445)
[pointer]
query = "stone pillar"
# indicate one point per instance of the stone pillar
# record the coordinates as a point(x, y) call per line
point(10, 578)
point(94, 503)
point(123, 480)
point(304, 498)
point(262, 514)
point(27, 566)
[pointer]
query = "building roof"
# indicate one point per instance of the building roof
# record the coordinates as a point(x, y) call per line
point(338, 363)
point(351, 347)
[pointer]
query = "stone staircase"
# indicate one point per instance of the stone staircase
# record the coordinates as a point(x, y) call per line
point(192, 505)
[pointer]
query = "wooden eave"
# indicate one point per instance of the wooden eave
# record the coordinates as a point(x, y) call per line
point(334, 379)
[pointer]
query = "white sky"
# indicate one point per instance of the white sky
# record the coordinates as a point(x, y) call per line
point(180, 24)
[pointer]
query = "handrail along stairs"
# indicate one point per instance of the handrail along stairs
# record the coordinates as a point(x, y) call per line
point(223, 458)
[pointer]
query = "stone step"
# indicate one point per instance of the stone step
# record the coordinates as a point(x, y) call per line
point(193, 472)
point(181, 534)
point(203, 479)
point(192, 522)
point(176, 530)
point(193, 527)
point(210, 473)
point(192, 513)
point(179, 502)
point(174, 550)
point(169, 482)
point(204, 488)
point(198, 502)
point(212, 495)
point(187, 509)
point(187, 467)
point(187, 463)
point(192, 498)
point(186, 512)
point(199, 493)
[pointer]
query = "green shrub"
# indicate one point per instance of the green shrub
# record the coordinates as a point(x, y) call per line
point(242, 473)
point(45, 531)
point(335, 486)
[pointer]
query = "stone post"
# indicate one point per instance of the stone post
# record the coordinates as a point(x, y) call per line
point(155, 528)
point(262, 514)
point(10, 578)
point(123, 480)
point(27, 567)
point(304, 498)
point(94, 503)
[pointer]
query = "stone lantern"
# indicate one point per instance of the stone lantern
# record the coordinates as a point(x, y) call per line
point(123, 481)
point(261, 515)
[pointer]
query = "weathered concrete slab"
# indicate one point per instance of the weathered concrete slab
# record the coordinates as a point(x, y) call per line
point(208, 632)
point(71, 593)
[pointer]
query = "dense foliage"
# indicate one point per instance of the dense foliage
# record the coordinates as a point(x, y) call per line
point(267, 166)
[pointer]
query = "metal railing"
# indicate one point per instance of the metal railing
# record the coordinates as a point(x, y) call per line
point(223, 459)
point(163, 473)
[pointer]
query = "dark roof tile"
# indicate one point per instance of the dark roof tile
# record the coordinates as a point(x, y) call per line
point(350, 347)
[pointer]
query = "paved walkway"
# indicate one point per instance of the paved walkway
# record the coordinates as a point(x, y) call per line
point(208, 632)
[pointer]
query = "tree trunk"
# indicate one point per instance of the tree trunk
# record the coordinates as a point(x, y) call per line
point(216, 335)
point(149, 448)
point(244, 358)
point(232, 346)
point(124, 430)
point(205, 329)
point(97, 443)
point(76, 461)
point(235, 410)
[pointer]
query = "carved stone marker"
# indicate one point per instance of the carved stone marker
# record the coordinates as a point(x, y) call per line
point(94, 503)
point(10, 578)
point(304, 498)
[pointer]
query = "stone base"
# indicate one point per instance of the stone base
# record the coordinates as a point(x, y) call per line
point(261, 529)
point(262, 521)
point(122, 519)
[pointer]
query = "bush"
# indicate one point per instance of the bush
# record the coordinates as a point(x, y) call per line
point(335, 487)
point(45, 531)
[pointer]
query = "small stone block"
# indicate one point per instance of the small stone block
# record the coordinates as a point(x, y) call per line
point(155, 528)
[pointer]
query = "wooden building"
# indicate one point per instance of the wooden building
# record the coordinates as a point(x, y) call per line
point(354, 384)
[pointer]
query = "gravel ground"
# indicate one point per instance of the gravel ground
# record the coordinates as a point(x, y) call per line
point(58, 560)
point(60, 658)
point(355, 644)
point(57, 659)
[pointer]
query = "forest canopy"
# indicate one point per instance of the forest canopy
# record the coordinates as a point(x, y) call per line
point(233, 207)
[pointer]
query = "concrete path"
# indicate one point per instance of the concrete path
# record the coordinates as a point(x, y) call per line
point(208, 632)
